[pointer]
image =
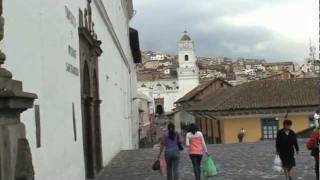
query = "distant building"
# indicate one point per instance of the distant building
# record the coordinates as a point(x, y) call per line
point(244, 62)
point(164, 86)
point(259, 67)
point(165, 63)
point(259, 107)
point(167, 71)
point(279, 66)
point(212, 71)
point(281, 76)
point(151, 65)
point(157, 57)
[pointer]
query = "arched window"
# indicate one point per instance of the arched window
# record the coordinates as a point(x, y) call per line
point(186, 58)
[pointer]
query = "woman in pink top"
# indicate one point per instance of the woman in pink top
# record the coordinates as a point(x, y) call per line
point(197, 147)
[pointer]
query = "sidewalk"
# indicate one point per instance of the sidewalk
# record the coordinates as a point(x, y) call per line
point(248, 161)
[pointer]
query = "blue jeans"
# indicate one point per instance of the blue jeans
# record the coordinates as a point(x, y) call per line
point(172, 160)
point(196, 162)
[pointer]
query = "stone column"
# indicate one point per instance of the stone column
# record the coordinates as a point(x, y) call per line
point(15, 155)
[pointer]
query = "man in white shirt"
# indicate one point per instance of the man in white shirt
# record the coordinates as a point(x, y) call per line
point(241, 134)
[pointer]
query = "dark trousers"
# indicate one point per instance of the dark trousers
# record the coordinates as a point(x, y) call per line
point(317, 166)
point(172, 160)
point(240, 137)
point(196, 162)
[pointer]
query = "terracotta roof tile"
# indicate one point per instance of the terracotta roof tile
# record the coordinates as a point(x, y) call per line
point(263, 94)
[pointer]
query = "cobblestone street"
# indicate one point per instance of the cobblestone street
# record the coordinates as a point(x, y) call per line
point(249, 161)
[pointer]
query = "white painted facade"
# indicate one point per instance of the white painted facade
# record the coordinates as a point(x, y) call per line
point(157, 57)
point(166, 89)
point(37, 39)
point(172, 89)
point(168, 63)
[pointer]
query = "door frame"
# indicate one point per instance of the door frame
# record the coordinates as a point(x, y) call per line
point(89, 52)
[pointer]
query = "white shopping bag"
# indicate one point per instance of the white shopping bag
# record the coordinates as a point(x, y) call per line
point(277, 164)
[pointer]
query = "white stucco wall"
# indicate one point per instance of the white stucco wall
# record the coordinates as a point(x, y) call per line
point(154, 91)
point(170, 97)
point(37, 35)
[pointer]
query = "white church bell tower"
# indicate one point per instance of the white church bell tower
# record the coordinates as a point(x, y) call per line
point(188, 71)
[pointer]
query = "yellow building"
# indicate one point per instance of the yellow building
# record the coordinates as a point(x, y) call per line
point(259, 107)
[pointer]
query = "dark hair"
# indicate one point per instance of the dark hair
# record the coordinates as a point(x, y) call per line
point(287, 122)
point(317, 111)
point(172, 131)
point(193, 128)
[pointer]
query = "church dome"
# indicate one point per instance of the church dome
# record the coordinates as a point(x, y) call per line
point(185, 37)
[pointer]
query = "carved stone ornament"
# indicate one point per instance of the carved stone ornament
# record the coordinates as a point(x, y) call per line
point(86, 28)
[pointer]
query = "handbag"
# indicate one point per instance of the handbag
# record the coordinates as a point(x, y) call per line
point(156, 165)
point(179, 145)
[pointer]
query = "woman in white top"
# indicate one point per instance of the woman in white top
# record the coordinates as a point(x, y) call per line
point(197, 147)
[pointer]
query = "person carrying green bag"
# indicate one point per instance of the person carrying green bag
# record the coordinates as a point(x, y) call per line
point(209, 168)
point(197, 147)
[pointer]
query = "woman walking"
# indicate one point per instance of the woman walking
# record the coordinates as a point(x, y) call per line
point(313, 145)
point(170, 142)
point(197, 147)
point(286, 145)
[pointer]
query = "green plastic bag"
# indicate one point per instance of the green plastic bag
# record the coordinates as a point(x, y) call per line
point(209, 168)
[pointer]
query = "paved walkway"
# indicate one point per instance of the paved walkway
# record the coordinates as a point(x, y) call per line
point(249, 161)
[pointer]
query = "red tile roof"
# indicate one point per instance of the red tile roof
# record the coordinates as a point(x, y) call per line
point(263, 94)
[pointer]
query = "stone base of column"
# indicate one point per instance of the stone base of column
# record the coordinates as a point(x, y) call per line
point(15, 154)
point(16, 161)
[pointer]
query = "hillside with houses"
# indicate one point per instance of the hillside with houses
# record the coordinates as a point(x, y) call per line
point(160, 65)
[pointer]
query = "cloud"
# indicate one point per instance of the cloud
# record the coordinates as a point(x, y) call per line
point(270, 29)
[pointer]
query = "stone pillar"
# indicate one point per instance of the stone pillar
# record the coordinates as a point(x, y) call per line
point(15, 155)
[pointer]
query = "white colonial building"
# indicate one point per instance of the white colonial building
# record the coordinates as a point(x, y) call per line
point(78, 57)
point(166, 91)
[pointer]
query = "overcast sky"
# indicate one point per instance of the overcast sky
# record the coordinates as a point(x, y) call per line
point(271, 29)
